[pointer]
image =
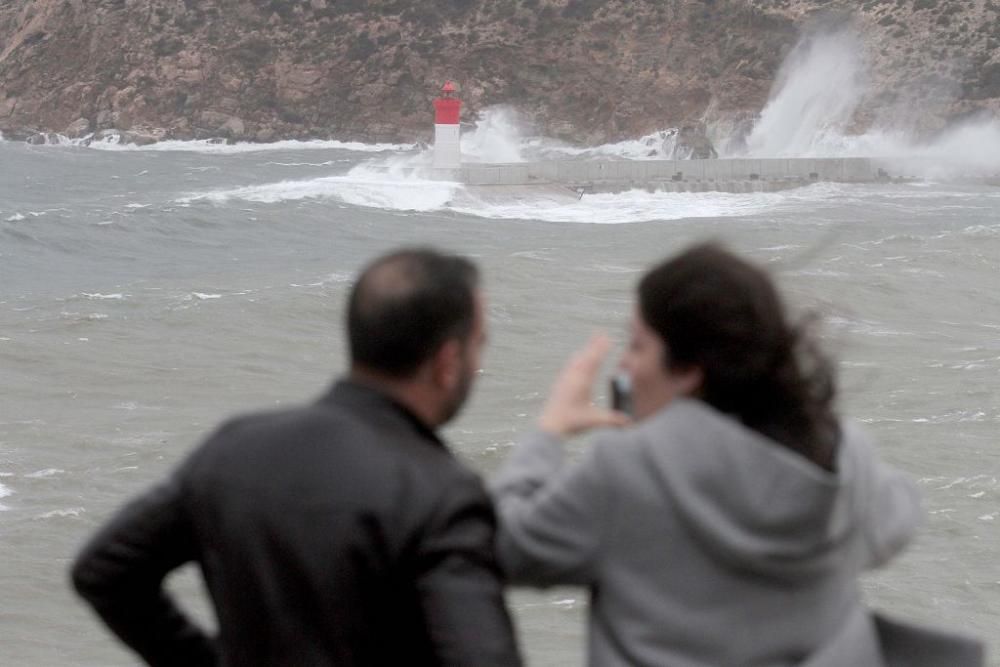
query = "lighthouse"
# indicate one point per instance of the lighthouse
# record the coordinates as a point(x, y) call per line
point(447, 108)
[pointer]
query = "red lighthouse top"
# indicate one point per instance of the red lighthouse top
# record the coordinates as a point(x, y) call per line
point(446, 107)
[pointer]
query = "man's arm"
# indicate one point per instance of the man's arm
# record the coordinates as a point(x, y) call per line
point(120, 573)
point(459, 583)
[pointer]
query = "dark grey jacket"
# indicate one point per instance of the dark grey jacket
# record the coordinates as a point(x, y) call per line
point(704, 544)
point(342, 533)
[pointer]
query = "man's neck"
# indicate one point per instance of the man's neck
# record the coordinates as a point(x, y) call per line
point(408, 392)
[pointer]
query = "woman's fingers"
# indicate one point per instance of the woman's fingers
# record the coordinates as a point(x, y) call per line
point(569, 408)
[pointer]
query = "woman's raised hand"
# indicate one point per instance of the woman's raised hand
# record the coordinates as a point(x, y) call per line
point(570, 408)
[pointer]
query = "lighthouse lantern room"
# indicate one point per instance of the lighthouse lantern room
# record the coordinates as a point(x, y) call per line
point(447, 135)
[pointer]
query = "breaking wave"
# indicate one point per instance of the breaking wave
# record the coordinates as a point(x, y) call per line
point(398, 188)
point(813, 103)
point(408, 188)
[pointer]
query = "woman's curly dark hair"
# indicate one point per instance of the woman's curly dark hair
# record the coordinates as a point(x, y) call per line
point(722, 314)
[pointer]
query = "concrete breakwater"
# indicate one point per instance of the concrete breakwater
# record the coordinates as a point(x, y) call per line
point(725, 175)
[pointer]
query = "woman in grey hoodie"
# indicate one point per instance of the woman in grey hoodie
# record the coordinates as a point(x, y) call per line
point(728, 524)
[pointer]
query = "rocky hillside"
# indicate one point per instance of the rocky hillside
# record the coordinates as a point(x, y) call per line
point(585, 70)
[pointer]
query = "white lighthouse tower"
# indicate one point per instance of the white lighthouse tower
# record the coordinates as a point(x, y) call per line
point(447, 135)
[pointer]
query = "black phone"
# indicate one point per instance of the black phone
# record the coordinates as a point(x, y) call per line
point(621, 393)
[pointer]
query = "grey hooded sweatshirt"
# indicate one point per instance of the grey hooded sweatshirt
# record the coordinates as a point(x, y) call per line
point(704, 544)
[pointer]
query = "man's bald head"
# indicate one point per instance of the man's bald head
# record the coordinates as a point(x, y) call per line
point(407, 304)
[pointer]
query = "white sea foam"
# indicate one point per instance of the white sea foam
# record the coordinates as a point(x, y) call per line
point(70, 511)
point(133, 405)
point(83, 317)
point(975, 480)
point(812, 106)
point(858, 326)
point(217, 147)
point(614, 268)
point(401, 184)
point(113, 143)
point(327, 163)
point(625, 207)
point(99, 296)
point(565, 603)
point(15, 218)
point(815, 94)
point(331, 279)
point(390, 186)
point(48, 472)
point(501, 134)
point(497, 136)
point(780, 248)
point(4, 492)
point(659, 145)
point(202, 296)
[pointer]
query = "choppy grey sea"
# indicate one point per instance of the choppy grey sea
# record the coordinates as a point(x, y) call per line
point(146, 294)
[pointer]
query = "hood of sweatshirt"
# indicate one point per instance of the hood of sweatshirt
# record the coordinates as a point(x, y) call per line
point(749, 500)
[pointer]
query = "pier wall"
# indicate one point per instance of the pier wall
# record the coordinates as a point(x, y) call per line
point(736, 175)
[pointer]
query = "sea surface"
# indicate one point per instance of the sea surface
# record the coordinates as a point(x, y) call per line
point(147, 294)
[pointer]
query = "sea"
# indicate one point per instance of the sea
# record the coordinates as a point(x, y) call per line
point(147, 293)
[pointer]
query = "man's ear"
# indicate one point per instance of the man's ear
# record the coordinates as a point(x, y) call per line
point(446, 365)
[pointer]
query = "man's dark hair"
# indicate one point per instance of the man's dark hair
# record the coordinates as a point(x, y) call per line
point(407, 304)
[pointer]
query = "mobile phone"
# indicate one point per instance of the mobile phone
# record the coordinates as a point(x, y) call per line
point(621, 393)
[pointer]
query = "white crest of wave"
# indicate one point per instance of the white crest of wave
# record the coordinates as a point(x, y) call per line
point(113, 141)
point(659, 145)
point(814, 97)
point(813, 102)
point(393, 186)
point(70, 511)
point(4, 491)
point(502, 134)
point(48, 472)
point(498, 136)
point(97, 295)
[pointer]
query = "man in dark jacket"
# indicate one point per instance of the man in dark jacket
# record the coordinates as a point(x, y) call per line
point(339, 533)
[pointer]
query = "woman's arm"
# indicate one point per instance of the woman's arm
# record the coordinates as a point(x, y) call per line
point(553, 518)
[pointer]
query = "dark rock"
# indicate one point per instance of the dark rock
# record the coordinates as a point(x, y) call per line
point(77, 129)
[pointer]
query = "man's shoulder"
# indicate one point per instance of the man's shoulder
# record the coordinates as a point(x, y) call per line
point(266, 423)
point(328, 430)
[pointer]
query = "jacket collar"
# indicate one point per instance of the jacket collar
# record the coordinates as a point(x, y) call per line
point(368, 398)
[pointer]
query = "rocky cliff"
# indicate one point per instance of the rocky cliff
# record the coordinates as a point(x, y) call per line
point(584, 70)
